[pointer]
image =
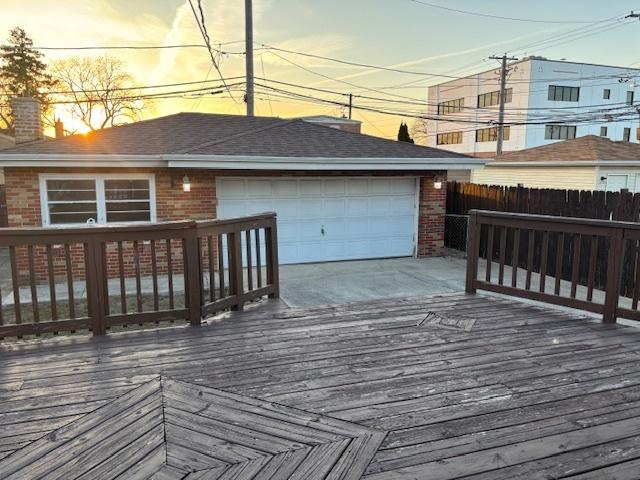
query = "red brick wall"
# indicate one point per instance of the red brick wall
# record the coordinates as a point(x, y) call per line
point(431, 210)
point(172, 203)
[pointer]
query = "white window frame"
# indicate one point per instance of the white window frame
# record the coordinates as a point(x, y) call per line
point(99, 179)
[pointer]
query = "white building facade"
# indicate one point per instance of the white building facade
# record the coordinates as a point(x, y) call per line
point(546, 101)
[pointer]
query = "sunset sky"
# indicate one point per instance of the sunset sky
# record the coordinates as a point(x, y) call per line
point(399, 33)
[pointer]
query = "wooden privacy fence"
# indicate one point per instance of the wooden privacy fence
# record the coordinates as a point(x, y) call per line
point(622, 206)
point(574, 262)
point(96, 278)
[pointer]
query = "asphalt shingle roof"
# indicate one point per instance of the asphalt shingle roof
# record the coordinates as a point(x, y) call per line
point(587, 148)
point(213, 134)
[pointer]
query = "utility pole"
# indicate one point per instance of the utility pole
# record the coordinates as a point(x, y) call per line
point(350, 104)
point(503, 95)
point(248, 23)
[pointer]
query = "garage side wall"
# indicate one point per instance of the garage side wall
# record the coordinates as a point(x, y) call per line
point(431, 210)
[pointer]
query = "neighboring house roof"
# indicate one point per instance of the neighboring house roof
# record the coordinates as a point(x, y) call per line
point(198, 140)
point(6, 141)
point(589, 148)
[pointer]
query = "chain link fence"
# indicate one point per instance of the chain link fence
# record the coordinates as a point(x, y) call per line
point(456, 228)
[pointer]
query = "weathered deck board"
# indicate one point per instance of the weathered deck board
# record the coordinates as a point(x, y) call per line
point(526, 392)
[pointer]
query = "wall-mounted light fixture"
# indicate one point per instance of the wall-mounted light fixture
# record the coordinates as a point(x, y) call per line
point(437, 183)
point(186, 184)
point(603, 179)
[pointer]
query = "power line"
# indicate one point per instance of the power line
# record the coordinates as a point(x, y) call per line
point(205, 35)
point(498, 17)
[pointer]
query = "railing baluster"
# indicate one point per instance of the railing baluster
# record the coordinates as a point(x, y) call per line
point(136, 265)
point(503, 254)
point(170, 273)
point(258, 259)
point(154, 276)
point(593, 254)
point(529, 259)
point(489, 254)
point(123, 288)
point(236, 276)
point(575, 267)
point(515, 257)
point(33, 285)
point(69, 275)
point(249, 261)
point(52, 283)
point(221, 265)
point(273, 273)
point(200, 269)
point(559, 263)
point(15, 284)
point(543, 260)
point(212, 272)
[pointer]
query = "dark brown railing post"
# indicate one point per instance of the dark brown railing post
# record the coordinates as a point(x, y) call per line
point(271, 246)
point(614, 272)
point(473, 246)
point(192, 275)
point(95, 281)
point(236, 275)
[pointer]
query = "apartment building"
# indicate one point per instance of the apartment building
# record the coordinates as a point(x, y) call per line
point(546, 101)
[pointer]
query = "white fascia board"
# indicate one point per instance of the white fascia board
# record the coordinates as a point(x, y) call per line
point(566, 164)
point(81, 161)
point(232, 162)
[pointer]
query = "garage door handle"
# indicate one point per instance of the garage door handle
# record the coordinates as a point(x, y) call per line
point(322, 230)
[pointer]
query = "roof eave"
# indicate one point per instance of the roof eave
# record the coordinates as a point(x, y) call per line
point(80, 161)
point(568, 163)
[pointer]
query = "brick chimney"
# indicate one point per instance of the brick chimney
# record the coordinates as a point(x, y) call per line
point(59, 126)
point(27, 119)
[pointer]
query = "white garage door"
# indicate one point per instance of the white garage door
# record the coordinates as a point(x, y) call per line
point(324, 219)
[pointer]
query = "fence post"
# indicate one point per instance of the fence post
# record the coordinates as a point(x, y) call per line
point(614, 272)
point(236, 274)
point(271, 244)
point(193, 275)
point(473, 245)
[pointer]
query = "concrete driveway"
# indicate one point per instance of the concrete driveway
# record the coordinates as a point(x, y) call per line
point(355, 281)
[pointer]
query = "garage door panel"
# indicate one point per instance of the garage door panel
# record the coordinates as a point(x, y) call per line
point(402, 205)
point(311, 208)
point(334, 187)
point(287, 188)
point(362, 217)
point(259, 188)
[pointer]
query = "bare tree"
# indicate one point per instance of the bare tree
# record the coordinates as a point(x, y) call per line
point(419, 130)
point(99, 91)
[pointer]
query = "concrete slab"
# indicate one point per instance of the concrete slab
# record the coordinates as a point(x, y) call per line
point(355, 281)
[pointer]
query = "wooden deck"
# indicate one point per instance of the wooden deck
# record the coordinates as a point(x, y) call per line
point(447, 387)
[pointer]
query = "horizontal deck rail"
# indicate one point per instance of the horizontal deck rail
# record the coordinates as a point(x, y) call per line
point(588, 264)
point(96, 278)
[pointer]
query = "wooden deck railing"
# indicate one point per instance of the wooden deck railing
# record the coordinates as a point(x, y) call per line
point(97, 278)
point(592, 265)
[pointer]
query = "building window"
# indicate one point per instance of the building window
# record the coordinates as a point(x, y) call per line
point(564, 94)
point(603, 131)
point(606, 94)
point(630, 97)
point(491, 134)
point(559, 132)
point(449, 138)
point(81, 199)
point(626, 135)
point(493, 98)
point(451, 106)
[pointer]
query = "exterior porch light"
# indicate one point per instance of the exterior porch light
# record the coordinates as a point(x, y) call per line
point(186, 184)
point(437, 183)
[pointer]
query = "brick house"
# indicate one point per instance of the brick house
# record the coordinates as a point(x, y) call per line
point(338, 195)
